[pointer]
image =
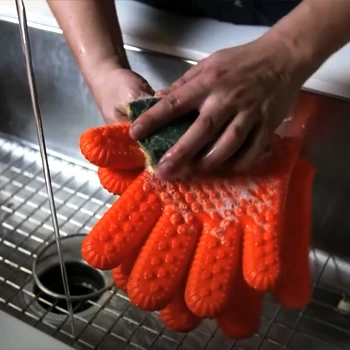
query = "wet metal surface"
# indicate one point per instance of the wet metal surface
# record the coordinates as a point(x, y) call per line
point(112, 322)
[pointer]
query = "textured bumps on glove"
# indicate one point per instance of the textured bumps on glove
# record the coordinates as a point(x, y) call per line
point(241, 317)
point(111, 147)
point(213, 212)
point(188, 246)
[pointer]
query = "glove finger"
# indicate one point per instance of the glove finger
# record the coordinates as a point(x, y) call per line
point(213, 269)
point(122, 227)
point(116, 181)
point(164, 260)
point(122, 273)
point(263, 221)
point(241, 318)
point(294, 287)
point(111, 146)
point(177, 316)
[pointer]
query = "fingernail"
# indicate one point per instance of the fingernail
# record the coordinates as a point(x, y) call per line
point(158, 93)
point(204, 162)
point(136, 131)
point(209, 153)
point(165, 167)
point(164, 158)
point(161, 93)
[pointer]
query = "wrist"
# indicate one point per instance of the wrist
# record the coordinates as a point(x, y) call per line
point(290, 61)
point(96, 76)
point(303, 46)
point(97, 72)
point(314, 31)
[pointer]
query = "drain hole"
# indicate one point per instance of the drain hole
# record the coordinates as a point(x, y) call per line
point(82, 279)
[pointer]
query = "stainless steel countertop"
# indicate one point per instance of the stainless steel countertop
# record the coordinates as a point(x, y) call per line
point(17, 335)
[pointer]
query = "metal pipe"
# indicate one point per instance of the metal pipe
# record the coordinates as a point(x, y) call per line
point(41, 139)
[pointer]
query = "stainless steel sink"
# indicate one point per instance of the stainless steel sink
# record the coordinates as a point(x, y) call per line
point(110, 321)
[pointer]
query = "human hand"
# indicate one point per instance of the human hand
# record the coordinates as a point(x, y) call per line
point(115, 88)
point(242, 94)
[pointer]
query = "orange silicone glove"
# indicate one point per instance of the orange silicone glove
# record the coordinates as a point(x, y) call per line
point(293, 288)
point(241, 317)
point(155, 229)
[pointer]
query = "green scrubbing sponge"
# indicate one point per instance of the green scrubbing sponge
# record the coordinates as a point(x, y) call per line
point(156, 145)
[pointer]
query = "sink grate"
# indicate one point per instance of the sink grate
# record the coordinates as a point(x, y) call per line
point(112, 322)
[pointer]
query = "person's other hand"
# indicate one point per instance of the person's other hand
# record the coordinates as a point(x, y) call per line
point(115, 88)
point(242, 94)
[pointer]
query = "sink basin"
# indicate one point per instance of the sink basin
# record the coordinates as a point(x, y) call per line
point(109, 321)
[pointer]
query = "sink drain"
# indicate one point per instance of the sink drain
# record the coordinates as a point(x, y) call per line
point(84, 282)
point(86, 285)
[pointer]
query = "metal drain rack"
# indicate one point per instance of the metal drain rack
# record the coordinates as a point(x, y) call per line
point(111, 322)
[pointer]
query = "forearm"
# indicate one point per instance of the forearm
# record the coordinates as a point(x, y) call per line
point(93, 34)
point(316, 29)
